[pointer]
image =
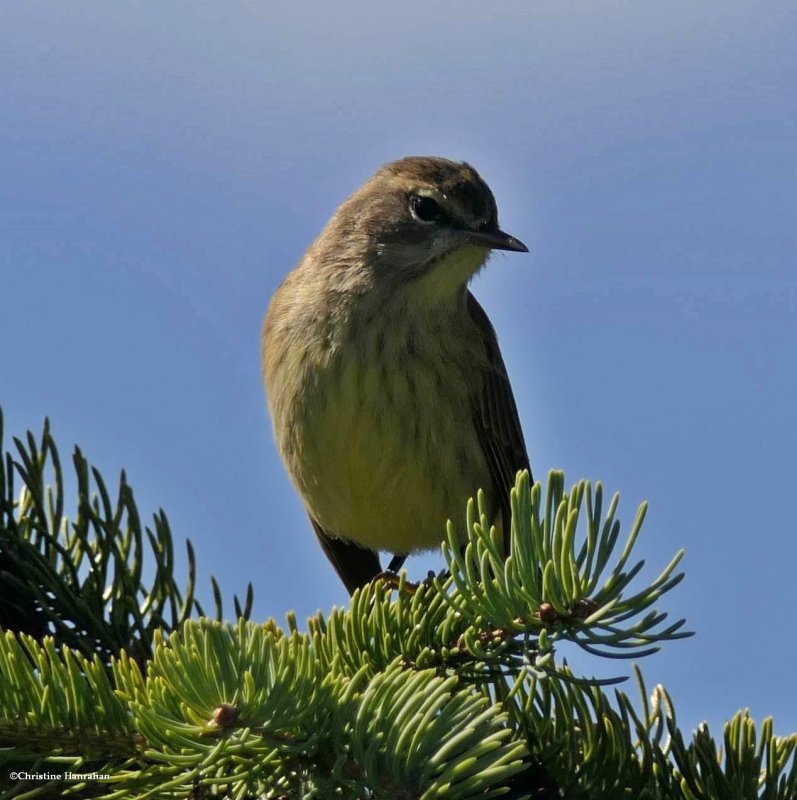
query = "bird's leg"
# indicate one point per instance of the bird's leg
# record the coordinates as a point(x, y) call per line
point(396, 563)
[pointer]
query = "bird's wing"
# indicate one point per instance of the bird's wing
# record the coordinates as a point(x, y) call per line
point(356, 565)
point(497, 422)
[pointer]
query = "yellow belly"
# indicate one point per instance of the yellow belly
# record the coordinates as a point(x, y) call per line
point(385, 460)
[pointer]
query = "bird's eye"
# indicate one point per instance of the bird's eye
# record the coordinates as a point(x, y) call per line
point(425, 209)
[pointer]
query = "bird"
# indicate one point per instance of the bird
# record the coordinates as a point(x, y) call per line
point(390, 400)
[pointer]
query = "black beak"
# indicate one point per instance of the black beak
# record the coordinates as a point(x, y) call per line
point(496, 239)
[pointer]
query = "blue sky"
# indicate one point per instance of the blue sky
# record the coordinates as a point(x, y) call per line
point(165, 165)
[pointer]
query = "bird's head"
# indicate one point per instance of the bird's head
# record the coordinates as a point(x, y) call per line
point(422, 221)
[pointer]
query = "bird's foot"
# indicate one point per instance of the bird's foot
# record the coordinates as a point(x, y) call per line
point(392, 581)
